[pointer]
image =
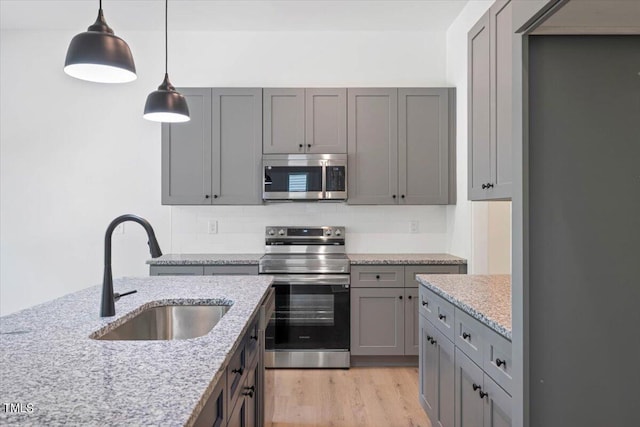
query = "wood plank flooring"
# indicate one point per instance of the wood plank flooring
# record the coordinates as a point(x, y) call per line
point(358, 397)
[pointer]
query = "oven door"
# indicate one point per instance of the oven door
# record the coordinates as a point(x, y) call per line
point(311, 313)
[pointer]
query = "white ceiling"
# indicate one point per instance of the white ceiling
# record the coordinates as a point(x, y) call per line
point(594, 17)
point(239, 15)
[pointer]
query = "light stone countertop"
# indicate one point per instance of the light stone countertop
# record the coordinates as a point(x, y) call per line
point(206, 259)
point(49, 361)
point(356, 259)
point(426, 259)
point(485, 298)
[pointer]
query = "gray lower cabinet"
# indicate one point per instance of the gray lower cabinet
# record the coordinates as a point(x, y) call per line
point(305, 121)
point(490, 104)
point(399, 143)
point(465, 371)
point(215, 158)
point(436, 375)
point(384, 308)
point(202, 270)
point(377, 321)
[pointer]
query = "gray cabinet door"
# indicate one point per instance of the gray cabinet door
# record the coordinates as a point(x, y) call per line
point(186, 153)
point(428, 369)
point(377, 322)
point(423, 146)
point(446, 381)
point(372, 145)
point(497, 410)
point(479, 102)
point(501, 36)
point(411, 322)
point(468, 403)
point(237, 146)
point(283, 121)
point(326, 121)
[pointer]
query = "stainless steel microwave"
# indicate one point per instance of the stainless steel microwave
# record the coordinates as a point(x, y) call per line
point(304, 177)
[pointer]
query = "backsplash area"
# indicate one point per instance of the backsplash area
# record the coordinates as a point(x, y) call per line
point(370, 229)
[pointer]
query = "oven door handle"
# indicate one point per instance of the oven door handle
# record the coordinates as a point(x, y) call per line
point(311, 279)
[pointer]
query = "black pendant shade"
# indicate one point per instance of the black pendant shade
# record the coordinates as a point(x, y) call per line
point(98, 55)
point(166, 104)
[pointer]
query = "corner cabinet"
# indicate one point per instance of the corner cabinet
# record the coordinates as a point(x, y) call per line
point(490, 104)
point(216, 157)
point(309, 121)
point(464, 367)
point(401, 146)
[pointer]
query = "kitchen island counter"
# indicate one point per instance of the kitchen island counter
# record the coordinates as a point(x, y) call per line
point(54, 373)
point(487, 298)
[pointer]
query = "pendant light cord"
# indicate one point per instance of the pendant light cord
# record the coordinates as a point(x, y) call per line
point(166, 36)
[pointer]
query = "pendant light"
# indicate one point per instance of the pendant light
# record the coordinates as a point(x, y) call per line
point(98, 55)
point(166, 104)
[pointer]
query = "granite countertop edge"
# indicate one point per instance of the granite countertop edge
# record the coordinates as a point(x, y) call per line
point(474, 312)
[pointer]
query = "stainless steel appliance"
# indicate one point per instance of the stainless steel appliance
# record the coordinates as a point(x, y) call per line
point(304, 177)
point(310, 327)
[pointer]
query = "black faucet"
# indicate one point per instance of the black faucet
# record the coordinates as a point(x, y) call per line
point(108, 305)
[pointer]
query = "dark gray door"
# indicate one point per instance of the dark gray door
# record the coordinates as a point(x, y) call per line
point(326, 121)
point(423, 146)
point(584, 230)
point(283, 121)
point(479, 90)
point(186, 153)
point(237, 146)
point(377, 322)
point(372, 143)
point(469, 406)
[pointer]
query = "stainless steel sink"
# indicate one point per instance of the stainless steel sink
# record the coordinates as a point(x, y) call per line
point(169, 322)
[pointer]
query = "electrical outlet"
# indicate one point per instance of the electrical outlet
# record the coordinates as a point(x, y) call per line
point(213, 226)
point(119, 229)
point(415, 226)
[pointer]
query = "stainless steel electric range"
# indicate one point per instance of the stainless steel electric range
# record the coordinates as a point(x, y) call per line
point(310, 327)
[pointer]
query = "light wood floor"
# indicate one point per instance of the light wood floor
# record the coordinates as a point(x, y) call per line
point(363, 397)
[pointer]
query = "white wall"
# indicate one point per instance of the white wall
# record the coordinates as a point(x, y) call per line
point(479, 231)
point(74, 154)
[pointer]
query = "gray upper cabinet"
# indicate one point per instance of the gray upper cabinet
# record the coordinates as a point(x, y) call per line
point(237, 146)
point(490, 104)
point(215, 158)
point(300, 121)
point(326, 121)
point(423, 146)
point(186, 153)
point(400, 146)
point(283, 121)
point(372, 144)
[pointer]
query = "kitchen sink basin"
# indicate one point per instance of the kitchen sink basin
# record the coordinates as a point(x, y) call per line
point(168, 322)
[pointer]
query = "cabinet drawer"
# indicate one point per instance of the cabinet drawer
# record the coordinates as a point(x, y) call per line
point(410, 272)
point(235, 374)
point(377, 276)
point(176, 270)
point(497, 351)
point(469, 334)
point(252, 343)
point(231, 270)
point(444, 316)
point(427, 304)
